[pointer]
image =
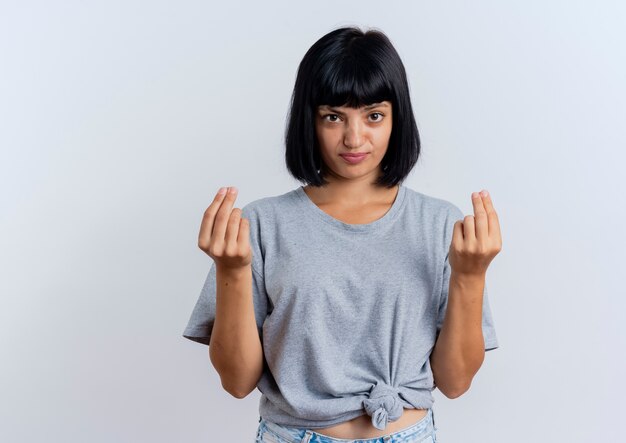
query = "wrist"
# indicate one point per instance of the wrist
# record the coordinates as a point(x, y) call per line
point(467, 279)
point(234, 273)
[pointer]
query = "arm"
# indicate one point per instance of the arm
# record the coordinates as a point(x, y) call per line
point(235, 348)
point(460, 349)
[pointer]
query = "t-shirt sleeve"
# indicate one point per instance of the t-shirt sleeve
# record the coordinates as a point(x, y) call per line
point(200, 324)
point(488, 327)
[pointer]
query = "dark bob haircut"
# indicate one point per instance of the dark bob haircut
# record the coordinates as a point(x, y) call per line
point(353, 68)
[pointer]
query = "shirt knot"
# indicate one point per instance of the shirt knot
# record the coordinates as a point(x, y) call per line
point(383, 405)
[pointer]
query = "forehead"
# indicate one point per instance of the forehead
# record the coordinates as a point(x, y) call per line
point(384, 104)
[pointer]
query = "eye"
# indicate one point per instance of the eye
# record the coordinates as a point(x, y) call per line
point(330, 115)
point(379, 114)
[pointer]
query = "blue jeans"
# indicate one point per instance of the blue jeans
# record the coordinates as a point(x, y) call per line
point(423, 432)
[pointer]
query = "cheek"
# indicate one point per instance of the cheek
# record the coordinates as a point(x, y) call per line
point(322, 135)
point(382, 138)
point(327, 138)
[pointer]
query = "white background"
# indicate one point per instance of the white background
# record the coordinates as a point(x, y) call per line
point(120, 120)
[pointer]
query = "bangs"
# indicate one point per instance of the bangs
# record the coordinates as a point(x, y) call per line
point(351, 82)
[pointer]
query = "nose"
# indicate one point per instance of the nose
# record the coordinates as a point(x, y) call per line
point(354, 134)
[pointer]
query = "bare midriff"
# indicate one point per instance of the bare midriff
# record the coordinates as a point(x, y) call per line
point(362, 427)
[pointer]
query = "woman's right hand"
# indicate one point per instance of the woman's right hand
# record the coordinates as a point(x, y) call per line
point(225, 234)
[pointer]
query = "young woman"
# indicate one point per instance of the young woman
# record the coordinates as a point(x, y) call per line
point(348, 300)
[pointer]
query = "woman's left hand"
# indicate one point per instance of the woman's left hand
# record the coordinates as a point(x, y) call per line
point(476, 239)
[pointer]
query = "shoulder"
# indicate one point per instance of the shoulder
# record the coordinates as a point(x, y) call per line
point(270, 209)
point(433, 207)
point(436, 214)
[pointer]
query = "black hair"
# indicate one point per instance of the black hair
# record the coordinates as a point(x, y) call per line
point(350, 67)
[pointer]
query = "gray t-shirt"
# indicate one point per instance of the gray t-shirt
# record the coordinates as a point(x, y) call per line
point(348, 314)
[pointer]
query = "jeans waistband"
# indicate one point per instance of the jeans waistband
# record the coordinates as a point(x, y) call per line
point(425, 425)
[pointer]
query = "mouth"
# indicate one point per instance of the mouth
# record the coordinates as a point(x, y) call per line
point(354, 158)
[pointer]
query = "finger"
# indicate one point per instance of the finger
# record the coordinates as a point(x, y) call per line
point(232, 231)
point(223, 216)
point(243, 238)
point(480, 217)
point(492, 216)
point(457, 235)
point(469, 233)
point(208, 219)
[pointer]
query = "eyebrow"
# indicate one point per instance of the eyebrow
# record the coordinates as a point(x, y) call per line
point(374, 105)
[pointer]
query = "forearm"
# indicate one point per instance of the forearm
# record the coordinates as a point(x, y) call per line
point(235, 348)
point(459, 351)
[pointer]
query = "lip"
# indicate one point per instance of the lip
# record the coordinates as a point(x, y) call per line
point(354, 158)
